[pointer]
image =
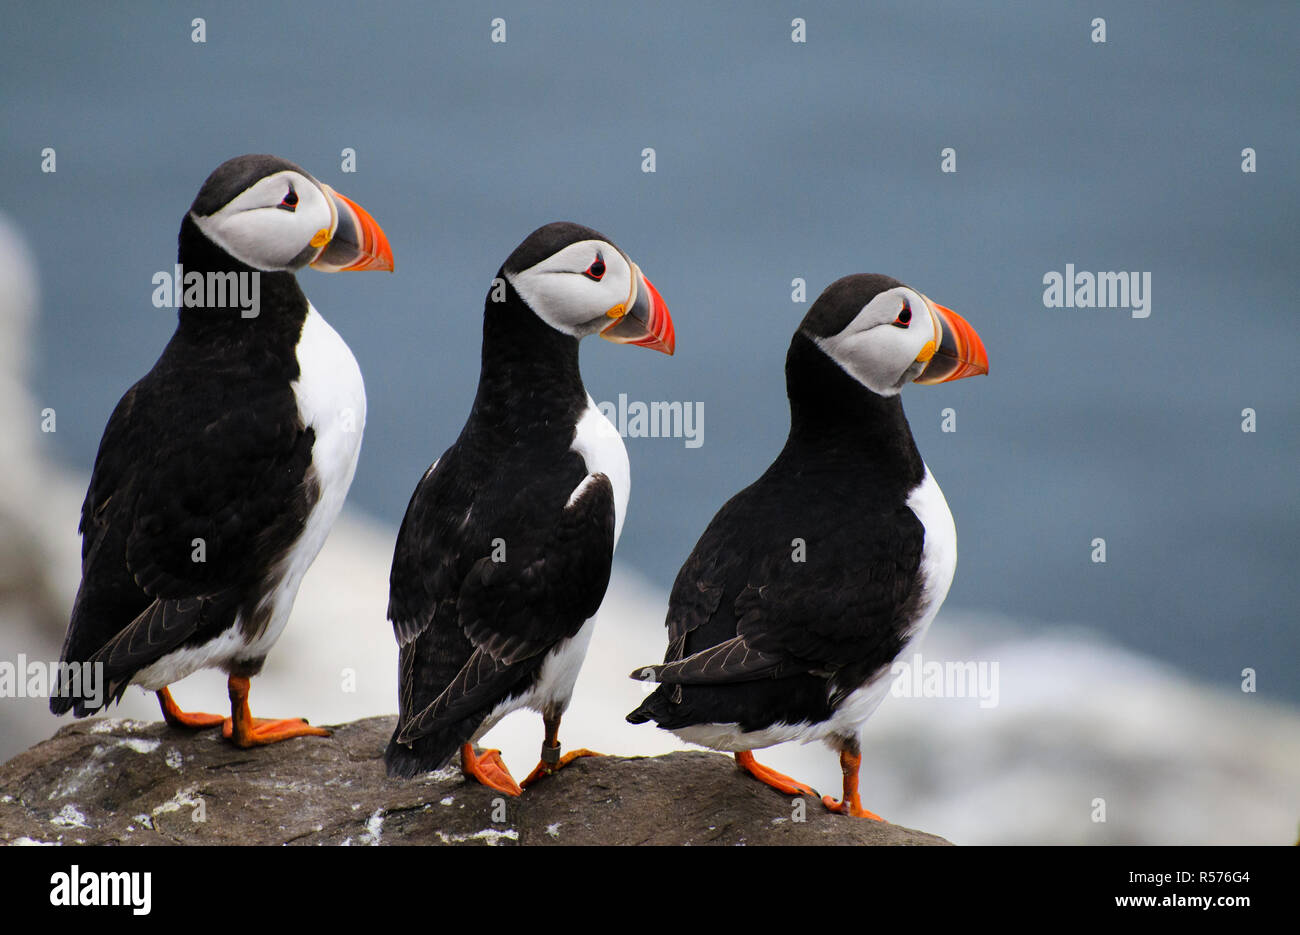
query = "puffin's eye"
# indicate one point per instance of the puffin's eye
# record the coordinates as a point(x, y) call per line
point(904, 317)
point(290, 201)
point(596, 269)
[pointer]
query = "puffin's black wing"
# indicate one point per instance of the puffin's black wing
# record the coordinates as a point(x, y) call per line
point(191, 501)
point(720, 556)
point(538, 574)
point(424, 574)
point(435, 548)
point(840, 606)
point(553, 578)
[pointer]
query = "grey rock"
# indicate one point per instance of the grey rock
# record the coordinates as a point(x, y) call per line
point(106, 781)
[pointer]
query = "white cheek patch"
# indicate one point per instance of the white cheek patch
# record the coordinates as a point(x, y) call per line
point(861, 356)
point(253, 237)
point(570, 302)
point(252, 230)
point(879, 355)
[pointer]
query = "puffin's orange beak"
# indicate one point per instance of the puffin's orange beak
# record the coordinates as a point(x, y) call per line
point(357, 242)
point(643, 320)
point(959, 353)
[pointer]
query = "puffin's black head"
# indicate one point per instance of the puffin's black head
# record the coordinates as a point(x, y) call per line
point(883, 334)
point(579, 283)
point(271, 215)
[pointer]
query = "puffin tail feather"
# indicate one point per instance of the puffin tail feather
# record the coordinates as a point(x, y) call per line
point(654, 708)
point(425, 754)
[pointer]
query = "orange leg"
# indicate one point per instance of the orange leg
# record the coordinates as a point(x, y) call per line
point(489, 769)
point(850, 804)
point(192, 720)
point(551, 761)
point(745, 760)
point(248, 731)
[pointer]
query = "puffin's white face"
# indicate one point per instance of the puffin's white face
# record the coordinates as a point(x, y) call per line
point(278, 223)
point(575, 289)
point(889, 342)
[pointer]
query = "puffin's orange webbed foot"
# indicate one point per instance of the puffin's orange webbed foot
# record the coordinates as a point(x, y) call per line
point(489, 769)
point(544, 768)
point(850, 804)
point(853, 808)
point(261, 731)
point(779, 781)
point(189, 720)
point(244, 730)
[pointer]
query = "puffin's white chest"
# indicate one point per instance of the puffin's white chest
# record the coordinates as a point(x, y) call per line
point(331, 399)
point(332, 403)
point(602, 450)
point(939, 551)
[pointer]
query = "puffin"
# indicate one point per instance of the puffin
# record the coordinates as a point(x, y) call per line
point(504, 553)
point(221, 471)
point(806, 586)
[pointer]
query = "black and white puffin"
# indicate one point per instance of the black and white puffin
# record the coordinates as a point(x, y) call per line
point(810, 582)
point(504, 554)
point(221, 472)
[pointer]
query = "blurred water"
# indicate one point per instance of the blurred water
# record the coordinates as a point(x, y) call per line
point(774, 160)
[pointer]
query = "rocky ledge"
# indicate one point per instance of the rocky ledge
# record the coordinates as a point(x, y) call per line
point(106, 781)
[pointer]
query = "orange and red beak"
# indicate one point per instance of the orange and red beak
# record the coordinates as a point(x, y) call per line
point(354, 242)
point(643, 319)
point(958, 351)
